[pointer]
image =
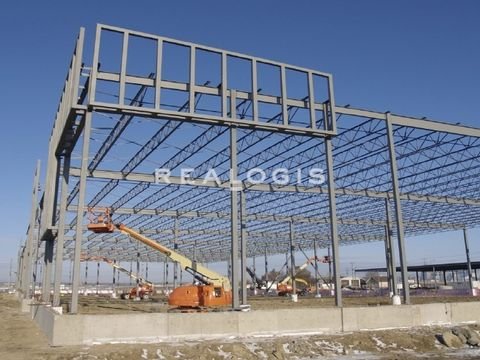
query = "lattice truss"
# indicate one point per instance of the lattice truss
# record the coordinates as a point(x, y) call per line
point(438, 176)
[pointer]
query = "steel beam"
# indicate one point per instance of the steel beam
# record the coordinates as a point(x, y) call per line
point(267, 217)
point(176, 180)
point(407, 121)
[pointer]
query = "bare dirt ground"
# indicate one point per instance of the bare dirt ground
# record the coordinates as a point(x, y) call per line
point(21, 339)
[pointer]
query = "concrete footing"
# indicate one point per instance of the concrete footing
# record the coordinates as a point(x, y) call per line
point(90, 329)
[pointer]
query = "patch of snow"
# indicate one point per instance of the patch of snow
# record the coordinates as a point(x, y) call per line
point(255, 350)
point(144, 354)
point(159, 355)
point(226, 355)
point(379, 343)
point(330, 346)
point(286, 349)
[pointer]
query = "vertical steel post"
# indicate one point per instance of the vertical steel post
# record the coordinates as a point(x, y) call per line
point(333, 221)
point(166, 272)
point(175, 247)
point(254, 280)
point(317, 290)
point(234, 204)
point(47, 273)
point(114, 279)
point(80, 210)
point(469, 264)
point(86, 276)
point(131, 271)
point(391, 248)
point(27, 277)
point(18, 280)
point(61, 230)
point(243, 238)
point(137, 296)
point(266, 272)
point(388, 260)
point(98, 276)
point(288, 256)
point(329, 265)
point(398, 209)
point(292, 257)
point(229, 268)
point(50, 242)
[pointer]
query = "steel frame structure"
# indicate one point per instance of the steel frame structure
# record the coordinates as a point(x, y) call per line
point(423, 172)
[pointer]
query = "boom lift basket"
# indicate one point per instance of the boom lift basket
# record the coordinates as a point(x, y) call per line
point(100, 220)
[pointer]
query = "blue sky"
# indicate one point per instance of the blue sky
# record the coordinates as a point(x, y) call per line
point(409, 57)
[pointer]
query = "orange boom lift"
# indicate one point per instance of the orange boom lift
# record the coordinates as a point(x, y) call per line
point(215, 290)
point(144, 289)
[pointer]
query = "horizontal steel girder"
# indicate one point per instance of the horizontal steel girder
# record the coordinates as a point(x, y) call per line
point(150, 178)
point(268, 217)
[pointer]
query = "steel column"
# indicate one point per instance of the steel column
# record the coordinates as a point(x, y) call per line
point(391, 247)
point(175, 247)
point(388, 260)
point(61, 230)
point(317, 290)
point(329, 266)
point(398, 210)
point(50, 242)
point(47, 273)
point(19, 279)
point(29, 248)
point(333, 221)
point(114, 279)
point(292, 257)
point(137, 296)
point(469, 264)
point(243, 239)
point(98, 276)
point(234, 208)
point(167, 261)
point(86, 276)
point(81, 203)
point(266, 272)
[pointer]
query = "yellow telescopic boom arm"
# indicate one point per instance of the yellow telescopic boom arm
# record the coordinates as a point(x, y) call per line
point(200, 272)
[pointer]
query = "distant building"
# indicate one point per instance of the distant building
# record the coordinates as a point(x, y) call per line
point(350, 282)
point(377, 282)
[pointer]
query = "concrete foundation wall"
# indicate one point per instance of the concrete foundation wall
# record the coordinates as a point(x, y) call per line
point(87, 329)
